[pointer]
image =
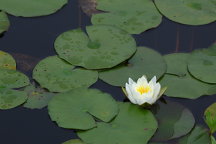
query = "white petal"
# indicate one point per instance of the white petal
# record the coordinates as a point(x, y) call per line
point(130, 95)
point(130, 81)
point(142, 80)
point(157, 89)
point(153, 80)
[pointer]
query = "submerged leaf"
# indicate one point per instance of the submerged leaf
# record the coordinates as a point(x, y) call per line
point(56, 75)
point(133, 125)
point(210, 117)
point(174, 121)
point(89, 6)
point(74, 109)
point(145, 62)
point(104, 47)
point(198, 135)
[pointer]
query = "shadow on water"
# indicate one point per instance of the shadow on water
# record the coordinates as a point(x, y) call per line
point(31, 39)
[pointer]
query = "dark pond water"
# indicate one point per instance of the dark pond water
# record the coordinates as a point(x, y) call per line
point(35, 37)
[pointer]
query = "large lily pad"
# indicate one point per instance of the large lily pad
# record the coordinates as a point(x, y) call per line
point(198, 135)
point(191, 12)
point(56, 75)
point(13, 79)
point(179, 81)
point(104, 47)
point(202, 64)
point(38, 98)
point(134, 16)
point(174, 121)
point(210, 117)
point(133, 125)
point(31, 8)
point(11, 98)
point(74, 141)
point(4, 22)
point(7, 61)
point(145, 62)
point(73, 109)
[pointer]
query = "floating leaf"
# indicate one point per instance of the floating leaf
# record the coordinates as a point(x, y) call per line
point(7, 61)
point(11, 98)
point(13, 79)
point(74, 141)
point(4, 22)
point(213, 141)
point(37, 97)
point(104, 47)
point(210, 117)
point(134, 16)
point(199, 135)
point(202, 64)
point(73, 109)
point(58, 76)
point(174, 121)
point(191, 12)
point(145, 62)
point(179, 81)
point(133, 125)
point(31, 8)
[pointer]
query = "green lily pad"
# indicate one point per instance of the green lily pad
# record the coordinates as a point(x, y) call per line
point(104, 47)
point(210, 117)
point(174, 121)
point(133, 125)
point(198, 135)
point(13, 79)
point(213, 141)
point(11, 98)
point(7, 61)
point(74, 141)
point(4, 22)
point(145, 62)
point(56, 75)
point(38, 98)
point(179, 81)
point(133, 16)
point(74, 109)
point(202, 64)
point(31, 8)
point(191, 12)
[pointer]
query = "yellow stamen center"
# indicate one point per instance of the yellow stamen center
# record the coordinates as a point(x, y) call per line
point(142, 89)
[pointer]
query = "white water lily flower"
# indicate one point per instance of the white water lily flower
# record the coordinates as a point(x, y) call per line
point(142, 91)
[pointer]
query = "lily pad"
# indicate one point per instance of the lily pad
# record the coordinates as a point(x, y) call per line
point(210, 117)
point(133, 125)
point(145, 62)
point(11, 98)
point(134, 16)
point(198, 135)
point(74, 109)
point(74, 141)
point(191, 12)
point(4, 22)
point(7, 61)
point(174, 121)
point(213, 141)
point(38, 98)
point(56, 75)
point(31, 8)
point(13, 79)
point(104, 47)
point(179, 81)
point(202, 64)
